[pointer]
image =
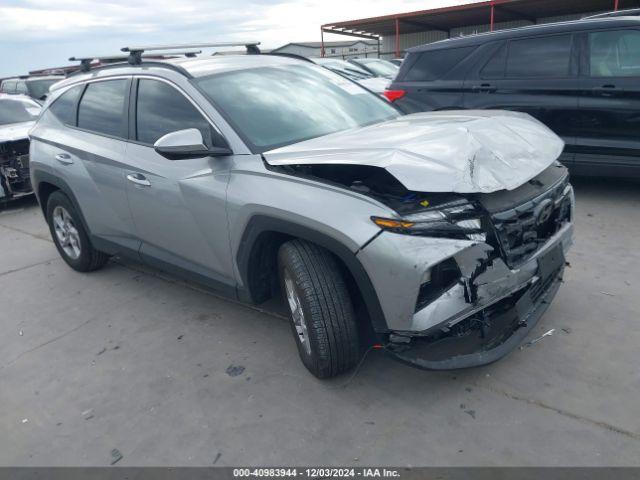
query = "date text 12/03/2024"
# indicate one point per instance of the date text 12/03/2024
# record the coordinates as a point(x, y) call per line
point(317, 472)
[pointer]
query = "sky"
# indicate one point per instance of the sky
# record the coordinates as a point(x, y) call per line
point(38, 34)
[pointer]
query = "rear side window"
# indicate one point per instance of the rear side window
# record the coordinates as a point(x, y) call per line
point(614, 53)
point(540, 57)
point(435, 64)
point(162, 109)
point(494, 68)
point(102, 108)
point(64, 108)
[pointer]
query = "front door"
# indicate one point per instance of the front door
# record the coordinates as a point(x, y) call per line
point(535, 75)
point(178, 206)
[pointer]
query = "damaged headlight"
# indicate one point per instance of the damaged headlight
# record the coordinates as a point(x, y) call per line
point(459, 219)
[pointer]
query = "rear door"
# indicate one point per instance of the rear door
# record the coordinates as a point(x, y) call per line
point(178, 206)
point(535, 75)
point(86, 143)
point(432, 80)
point(609, 137)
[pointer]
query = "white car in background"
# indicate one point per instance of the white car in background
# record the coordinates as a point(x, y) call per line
point(366, 79)
point(18, 114)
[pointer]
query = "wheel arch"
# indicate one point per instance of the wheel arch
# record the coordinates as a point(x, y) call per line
point(44, 184)
point(257, 252)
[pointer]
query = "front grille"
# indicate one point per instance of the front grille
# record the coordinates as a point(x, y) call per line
point(522, 230)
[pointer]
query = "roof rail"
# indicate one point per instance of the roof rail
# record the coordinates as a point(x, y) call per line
point(630, 12)
point(135, 53)
point(85, 62)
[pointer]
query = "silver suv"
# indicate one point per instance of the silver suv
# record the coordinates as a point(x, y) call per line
point(439, 237)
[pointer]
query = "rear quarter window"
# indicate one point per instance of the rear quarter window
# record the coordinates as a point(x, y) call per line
point(435, 64)
point(64, 107)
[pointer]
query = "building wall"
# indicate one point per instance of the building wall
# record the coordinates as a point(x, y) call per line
point(407, 40)
point(359, 49)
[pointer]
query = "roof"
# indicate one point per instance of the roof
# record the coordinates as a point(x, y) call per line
point(326, 44)
point(446, 18)
point(560, 27)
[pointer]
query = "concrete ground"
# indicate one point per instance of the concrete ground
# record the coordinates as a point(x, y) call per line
point(168, 374)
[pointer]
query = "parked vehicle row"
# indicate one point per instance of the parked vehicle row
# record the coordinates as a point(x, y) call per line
point(580, 78)
point(36, 87)
point(438, 236)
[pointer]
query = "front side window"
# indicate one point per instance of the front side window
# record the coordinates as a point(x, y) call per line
point(276, 106)
point(17, 111)
point(614, 53)
point(102, 108)
point(162, 109)
point(9, 86)
point(64, 107)
point(540, 57)
point(494, 68)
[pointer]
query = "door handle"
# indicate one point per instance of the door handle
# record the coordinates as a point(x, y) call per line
point(605, 90)
point(139, 179)
point(485, 87)
point(64, 158)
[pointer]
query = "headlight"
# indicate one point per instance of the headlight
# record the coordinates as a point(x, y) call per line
point(458, 219)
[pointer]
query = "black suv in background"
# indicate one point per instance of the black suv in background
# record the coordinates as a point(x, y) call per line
point(580, 78)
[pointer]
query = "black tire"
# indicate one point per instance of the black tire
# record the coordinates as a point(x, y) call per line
point(89, 258)
point(333, 343)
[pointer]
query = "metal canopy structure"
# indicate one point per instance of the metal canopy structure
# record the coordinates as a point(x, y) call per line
point(480, 13)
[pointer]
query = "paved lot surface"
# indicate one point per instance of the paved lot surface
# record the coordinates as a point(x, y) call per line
point(128, 359)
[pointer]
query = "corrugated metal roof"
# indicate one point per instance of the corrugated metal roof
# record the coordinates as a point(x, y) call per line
point(446, 18)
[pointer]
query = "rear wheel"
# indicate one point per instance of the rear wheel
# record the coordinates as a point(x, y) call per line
point(70, 237)
point(322, 317)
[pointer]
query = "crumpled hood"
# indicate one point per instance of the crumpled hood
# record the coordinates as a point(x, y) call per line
point(15, 131)
point(464, 151)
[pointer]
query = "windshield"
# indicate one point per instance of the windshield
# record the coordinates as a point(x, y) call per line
point(275, 106)
point(381, 67)
point(40, 88)
point(345, 68)
point(16, 111)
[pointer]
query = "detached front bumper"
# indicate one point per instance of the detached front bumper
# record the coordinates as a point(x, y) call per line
point(481, 317)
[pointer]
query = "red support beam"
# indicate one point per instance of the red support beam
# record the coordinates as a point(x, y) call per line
point(493, 16)
point(397, 38)
point(616, 4)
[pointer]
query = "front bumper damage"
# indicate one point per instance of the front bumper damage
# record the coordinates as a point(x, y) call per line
point(14, 169)
point(481, 317)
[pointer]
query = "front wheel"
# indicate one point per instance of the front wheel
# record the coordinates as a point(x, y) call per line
point(70, 237)
point(322, 317)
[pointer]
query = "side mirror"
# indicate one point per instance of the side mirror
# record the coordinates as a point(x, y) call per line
point(188, 143)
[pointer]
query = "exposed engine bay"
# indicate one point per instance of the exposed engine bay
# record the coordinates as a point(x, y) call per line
point(14, 169)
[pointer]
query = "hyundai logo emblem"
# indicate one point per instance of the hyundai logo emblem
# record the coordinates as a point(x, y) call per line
point(543, 211)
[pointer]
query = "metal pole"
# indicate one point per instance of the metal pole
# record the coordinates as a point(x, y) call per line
point(397, 38)
point(378, 47)
point(492, 16)
point(321, 42)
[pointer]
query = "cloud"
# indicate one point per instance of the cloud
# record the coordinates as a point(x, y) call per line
point(44, 33)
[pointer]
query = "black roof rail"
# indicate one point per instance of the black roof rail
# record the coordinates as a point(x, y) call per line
point(290, 55)
point(630, 12)
point(135, 53)
point(85, 62)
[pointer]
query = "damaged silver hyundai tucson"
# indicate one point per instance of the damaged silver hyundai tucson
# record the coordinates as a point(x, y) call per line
point(438, 236)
